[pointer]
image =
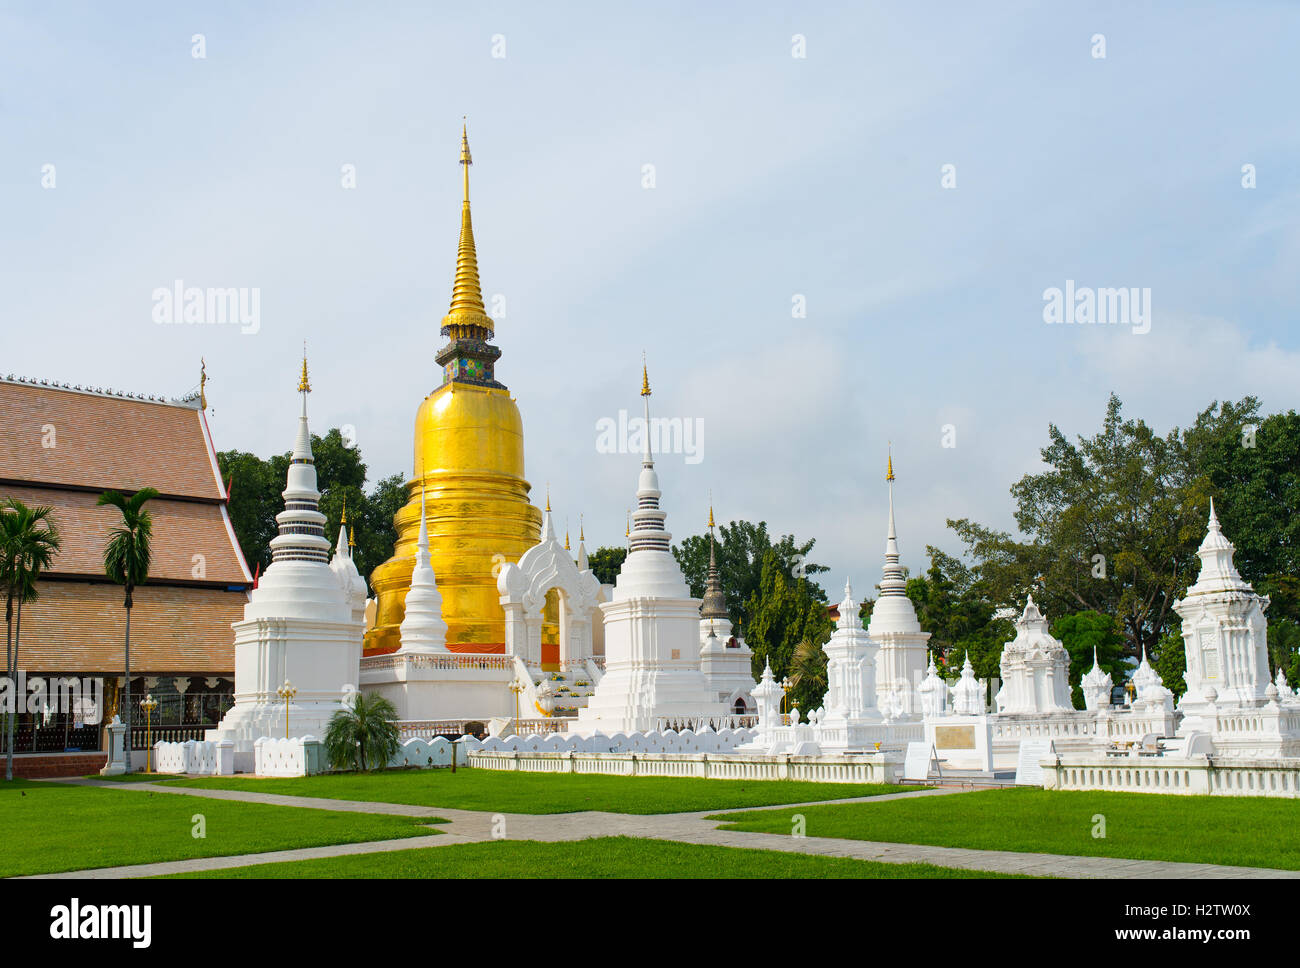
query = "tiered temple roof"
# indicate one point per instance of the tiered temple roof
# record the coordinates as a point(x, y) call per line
point(63, 447)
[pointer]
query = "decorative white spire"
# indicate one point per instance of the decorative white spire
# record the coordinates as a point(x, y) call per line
point(648, 532)
point(1218, 572)
point(423, 628)
point(968, 694)
point(893, 583)
point(1096, 685)
point(301, 524)
point(848, 610)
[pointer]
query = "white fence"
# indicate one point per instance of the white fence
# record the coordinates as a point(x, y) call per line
point(869, 768)
point(294, 756)
point(668, 741)
point(1162, 774)
point(193, 756)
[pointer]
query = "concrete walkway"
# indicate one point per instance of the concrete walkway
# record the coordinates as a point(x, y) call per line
point(472, 826)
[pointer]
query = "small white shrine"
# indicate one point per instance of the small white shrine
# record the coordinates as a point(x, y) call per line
point(1035, 668)
point(1229, 696)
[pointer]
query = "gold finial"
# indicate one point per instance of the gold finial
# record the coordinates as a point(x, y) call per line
point(645, 378)
point(548, 495)
point(581, 536)
point(344, 519)
point(711, 525)
point(203, 382)
point(628, 532)
point(467, 307)
point(566, 535)
point(304, 386)
point(889, 473)
point(352, 537)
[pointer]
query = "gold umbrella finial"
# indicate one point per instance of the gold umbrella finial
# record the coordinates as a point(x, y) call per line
point(889, 471)
point(304, 385)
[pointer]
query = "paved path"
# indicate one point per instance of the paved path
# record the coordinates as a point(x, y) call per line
point(473, 826)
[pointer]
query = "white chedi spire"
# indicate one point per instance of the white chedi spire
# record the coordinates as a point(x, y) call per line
point(345, 569)
point(649, 570)
point(1096, 685)
point(968, 693)
point(423, 628)
point(901, 662)
point(933, 692)
point(301, 525)
point(1218, 571)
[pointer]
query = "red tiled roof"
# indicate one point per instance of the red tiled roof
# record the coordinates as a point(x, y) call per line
point(181, 530)
point(104, 442)
point(79, 628)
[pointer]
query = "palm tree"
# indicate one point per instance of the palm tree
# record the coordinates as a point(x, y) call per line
point(363, 734)
point(28, 543)
point(126, 561)
point(808, 671)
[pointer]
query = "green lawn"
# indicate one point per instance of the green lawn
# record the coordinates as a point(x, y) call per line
point(1243, 831)
point(48, 827)
point(608, 857)
point(536, 793)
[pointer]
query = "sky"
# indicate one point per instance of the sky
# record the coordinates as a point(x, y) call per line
point(800, 157)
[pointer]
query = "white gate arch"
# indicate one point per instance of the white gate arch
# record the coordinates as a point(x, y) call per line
point(523, 589)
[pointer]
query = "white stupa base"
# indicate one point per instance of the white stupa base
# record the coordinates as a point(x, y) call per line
point(641, 700)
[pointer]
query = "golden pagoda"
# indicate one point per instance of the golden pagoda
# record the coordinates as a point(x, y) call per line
point(469, 465)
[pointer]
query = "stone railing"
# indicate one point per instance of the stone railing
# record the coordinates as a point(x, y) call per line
point(697, 723)
point(871, 768)
point(450, 660)
point(1189, 776)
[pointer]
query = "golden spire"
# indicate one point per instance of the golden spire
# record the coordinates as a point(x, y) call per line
point(352, 537)
point(203, 382)
point(627, 533)
point(303, 385)
point(889, 472)
point(645, 378)
point(581, 536)
point(344, 519)
point(566, 536)
point(548, 495)
point(467, 307)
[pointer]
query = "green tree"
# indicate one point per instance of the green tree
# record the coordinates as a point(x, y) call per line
point(1112, 526)
point(954, 607)
point(1252, 466)
point(1170, 659)
point(605, 562)
point(741, 553)
point(126, 561)
point(29, 541)
point(784, 612)
point(1081, 634)
point(364, 733)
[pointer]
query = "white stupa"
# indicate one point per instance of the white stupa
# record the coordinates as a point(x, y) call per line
point(423, 630)
point(652, 650)
point(901, 661)
point(1035, 668)
point(303, 622)
point(1229, 694)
